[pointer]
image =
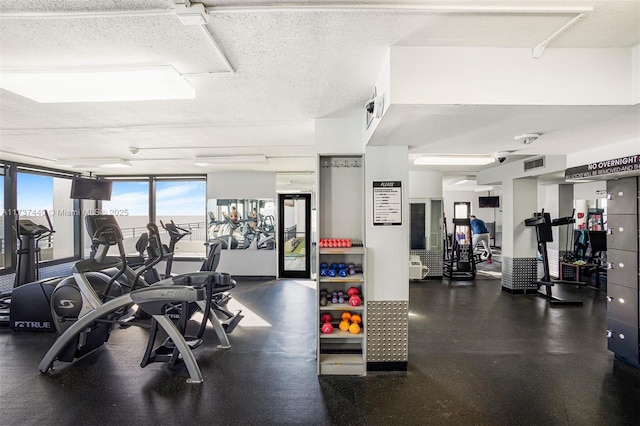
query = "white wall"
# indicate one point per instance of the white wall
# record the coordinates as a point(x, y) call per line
point(340, 135)
point(588, 190)
point(383, 88)
point(515, 169)
point(244, 185)
point(425, 184)
point(450, 75)
point(387, 246)
point(607, 151)
point(635, 74)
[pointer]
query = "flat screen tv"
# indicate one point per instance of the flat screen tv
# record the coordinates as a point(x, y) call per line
point(91, 189)
point(489, 202)
point(598, 240)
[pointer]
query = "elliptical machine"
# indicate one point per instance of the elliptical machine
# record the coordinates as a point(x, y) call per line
point(26, 307)
point(86, 313)
point(28, 253)
point(158, 252)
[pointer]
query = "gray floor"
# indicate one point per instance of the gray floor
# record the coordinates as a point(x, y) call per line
point(477, 355)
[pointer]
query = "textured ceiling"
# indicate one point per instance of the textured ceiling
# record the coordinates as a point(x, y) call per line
point(291, 66)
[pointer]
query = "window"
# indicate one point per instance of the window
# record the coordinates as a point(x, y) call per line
point(130, 205)
point(184, 202)
point(37, 194)
point(461, 209)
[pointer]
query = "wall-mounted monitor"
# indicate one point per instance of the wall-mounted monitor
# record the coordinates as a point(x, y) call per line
point(489, 202)
point(91, 189)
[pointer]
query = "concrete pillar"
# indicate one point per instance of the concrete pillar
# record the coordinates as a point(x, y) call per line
point(388, 265)
point(519, 247)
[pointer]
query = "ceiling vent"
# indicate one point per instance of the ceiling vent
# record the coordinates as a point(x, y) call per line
point(535, 163)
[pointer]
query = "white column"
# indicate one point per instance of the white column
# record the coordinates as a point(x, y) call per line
point(519, 245)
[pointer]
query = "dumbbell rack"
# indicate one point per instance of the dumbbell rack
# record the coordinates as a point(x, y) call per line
point(340, 205)
point(342, 353)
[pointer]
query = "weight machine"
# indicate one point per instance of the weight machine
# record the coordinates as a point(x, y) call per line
point(544, 234)
point(458, 258)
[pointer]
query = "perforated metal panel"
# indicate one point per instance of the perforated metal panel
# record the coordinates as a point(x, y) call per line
point(388, 331)
point(519, 273)
point(430, 259)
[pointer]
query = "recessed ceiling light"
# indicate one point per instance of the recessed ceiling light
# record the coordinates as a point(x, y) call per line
point(107, 85)
point(110, 163)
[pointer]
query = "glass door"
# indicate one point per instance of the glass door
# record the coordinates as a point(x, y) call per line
point(294, 228)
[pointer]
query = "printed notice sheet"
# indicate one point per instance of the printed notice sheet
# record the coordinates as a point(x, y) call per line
point(387, 203)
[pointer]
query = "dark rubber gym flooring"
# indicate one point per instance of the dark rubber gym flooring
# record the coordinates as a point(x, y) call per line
point(477, 356)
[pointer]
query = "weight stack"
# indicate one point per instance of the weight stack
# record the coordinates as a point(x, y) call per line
point(623, 289)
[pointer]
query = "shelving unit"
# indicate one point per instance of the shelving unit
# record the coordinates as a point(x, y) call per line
point(340, 215)
point(342, 352)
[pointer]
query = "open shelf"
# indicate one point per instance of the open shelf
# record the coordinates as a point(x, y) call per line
point(342, 364)
point(357, 278)
point(339, 334)
point(342, 250)
point(340, 201)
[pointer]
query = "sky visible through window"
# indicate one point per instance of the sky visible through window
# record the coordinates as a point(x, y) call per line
point(128, 199)
point(35, 193)
point(181, 198)
point(173, 198)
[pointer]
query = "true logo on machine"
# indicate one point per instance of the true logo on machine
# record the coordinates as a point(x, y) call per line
point(32, 324)
point(66, 304)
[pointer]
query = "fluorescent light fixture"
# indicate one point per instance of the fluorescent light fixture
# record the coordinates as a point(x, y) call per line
point(234, 159)
point(108, 85)
point(453, 160)
point(483, 188)
point(464, 180)
point(109, 163)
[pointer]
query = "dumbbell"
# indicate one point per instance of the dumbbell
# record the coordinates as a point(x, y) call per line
point(327, 328)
